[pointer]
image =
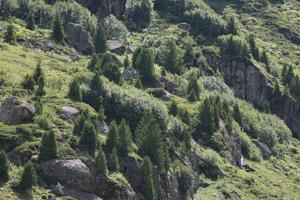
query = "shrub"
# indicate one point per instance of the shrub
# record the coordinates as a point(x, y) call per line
point(29, 177)
point(249, 150)
point(115, 29)
point(28, 83)
point(10, 35)
point(211, 159)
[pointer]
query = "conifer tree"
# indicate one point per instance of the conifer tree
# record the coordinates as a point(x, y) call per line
point(41, 85)
point(188, 56)
point(253, 48)
point(135, 57)
point(289, 76)
point(79, 123)
point(145, 64)
point(193, 87)
point(4, 166)
point(192, 96)
point(148, 189)
point(295, 87)
point(101, 163)
point(126, 62)
point(38, 72)
point(266, 61)
point(48, 147)
point(57, 30)
point(75, 91)
point(88, 138)
point(30, 22)
point(29, 177)
point(92, 66)
point(138, 83)
point(38, 106)
point(232, 26)
point(163, 72)
point(172, 60)
point(125, 138)
point(10, 35)
point(28, 83)
point(95, 95)
point(100, 40)
point(237, 114)
point(113, 138)
point(114, 161)
point(173, 109)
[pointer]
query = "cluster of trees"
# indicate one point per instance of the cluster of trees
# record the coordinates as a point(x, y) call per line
point(291, 81)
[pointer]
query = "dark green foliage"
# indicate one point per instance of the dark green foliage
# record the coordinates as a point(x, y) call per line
point(125, 138)
point(79, 123)
point(4, 167)
point(138, 14)
point(74, 90)
point(232, 26)
point(57, 30)
point(113, 139)
point(235, 47)
point(163, 72)
point(136, 56)
point(101, 163)
point(111, 71)
point(189, 56)
point(148, 184)
point(173, 109)
point(144, 63)
point(253, 48)
point(30, 22)
point(192, 97)
point(93, 64)
point(29, 177)
point(41, 86)
point(38, 106)
point(126, 62)
point(193, 89)
point(28, 83)
point(10, 35)
point(172, 58)
point(265, 59)
point(161, 4)
point(185, 182)
point(100, 40)
point(48, 147)
point(138, 83)
point(237, 115)
point(88, 138)
point(114, 165)
point(149, 141)
point(295, 87)
point(38, 72)
point(94, 96)
point(184, 116)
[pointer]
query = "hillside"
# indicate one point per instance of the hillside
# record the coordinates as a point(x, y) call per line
point(154, 100)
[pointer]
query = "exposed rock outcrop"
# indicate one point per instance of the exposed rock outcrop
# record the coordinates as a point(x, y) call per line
point(171, 86)
point(129, 73)
point(266, 152)
point(70, 113)
point(14, 110)
point(116, 46)
point(79, 38)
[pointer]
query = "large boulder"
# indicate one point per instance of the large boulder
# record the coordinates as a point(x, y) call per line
point(116, 46)
point(129, 73)
point(70, 113)
point(14, 110)
point(73, 173)
point(79, 38)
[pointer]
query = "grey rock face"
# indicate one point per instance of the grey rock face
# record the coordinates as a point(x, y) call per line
point(102, 127)
point(185, 26)
point(79, 38)
point(264, 149)
point(73, 173)
point(116, 46)
point(129, 73)
point(14, 110)
point(171, 87)
point(70, 113)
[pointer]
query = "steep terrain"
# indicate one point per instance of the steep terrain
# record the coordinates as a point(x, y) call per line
point(166, 100)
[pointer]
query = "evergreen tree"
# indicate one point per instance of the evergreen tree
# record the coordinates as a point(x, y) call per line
point(172, 60)
point(145, 65)
point(163, 72)
point(253, 48)
point(75, 91)
point(135, 57)
point(295, 87)
point(101, 163)
point(79, 123)
point(38, 106)
point(237, 114)
point(95, 95)
point(57, 30)
point(161, 4)
point(100, 40)
point(193, 86)
point(114, 161)
point(29, 177)
point(92, 66)
point(173, 109)
point(125, 138)
point(28, 83)
point(192, 97)
point(10, 35)
point(185, 117)
point(30, 22)
point(113, 138)
point(112, 72)
point(138, 83)
point(289, 76)
point(4, 166)
point(38, 72)
point(149, 141)
point(232, 26)
point(88, 138)
point(48, 147)
point(284, 74)
point(266, 61)
point(277, 90)
point(189, 56)
point(41, 85)
point(148, 185)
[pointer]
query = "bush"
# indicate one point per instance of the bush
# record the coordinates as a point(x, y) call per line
point(29, 177)
point(211, 159)
point(115, 29)
point(249, 150)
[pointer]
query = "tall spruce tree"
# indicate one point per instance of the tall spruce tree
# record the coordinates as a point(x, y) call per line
point(113, 139)
point(193, 87)
point(30, 21)
point(114, 165)
point(4, 167)
point(101, 163)
point(79, 123)
point(232, 26)
point(41, 86)
point(57, 30)
point(253, 48)
point(74, 90)
point(48, 147)
point(148, 185)
point(88, 138)
point(38, 72)
point(93, 64)
point(145, 65)
point(172, 59)
point(173, 109)
point(95, 95)
point(125, 138)
point(188, 56)
point(100, 40)
point(265, 59)
point(29, 177)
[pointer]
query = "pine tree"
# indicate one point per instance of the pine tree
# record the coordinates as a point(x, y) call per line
point(57, 30)
point(88, 138)
point(41, 86)
point(237, 114)
point(148, 185)
point(75, 91)
point(38, 72)
point(113, 139)
point(92, 66)
point(48, 147)
point(28, 83)
point(172, 60)
point(29, 177)
point(163, 72)
point(100, 40)
point(38, 106)
point(266, 61)
point(95, 95)
point(138, 83)
point(10, 35)
point(125, 138)
point(101, 163)
point(284, 74)
point(126, 62)
point(192, 97)
point(4, 167)
point(189, 56)
point(30, 22)
point(289, 76)
point(112, 72)
point(114, 165)
point(79, 123)
point(295, 87)
point(253, 48)
point(193, 86)
point(173, 109)
point(149, 141)
point(145, 65)
point(232, 26)
point(135, 57)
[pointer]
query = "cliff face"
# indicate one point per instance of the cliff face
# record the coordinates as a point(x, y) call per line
point(249, 83)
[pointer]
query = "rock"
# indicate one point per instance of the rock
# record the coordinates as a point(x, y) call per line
point(79, 38)
point(185, 26)
point(132, 170)
point(116, 46)
point(45, 45)
point(79, 195)
point(14, 110)
point(129, 73)
point(290, 35)
point(70, 113)
point(102, 127)
point(73, 173)
point(117, 61)
point(130, 49)
point(168, 187)
point(171, 87)
point(75, 58)
point(264, 149)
